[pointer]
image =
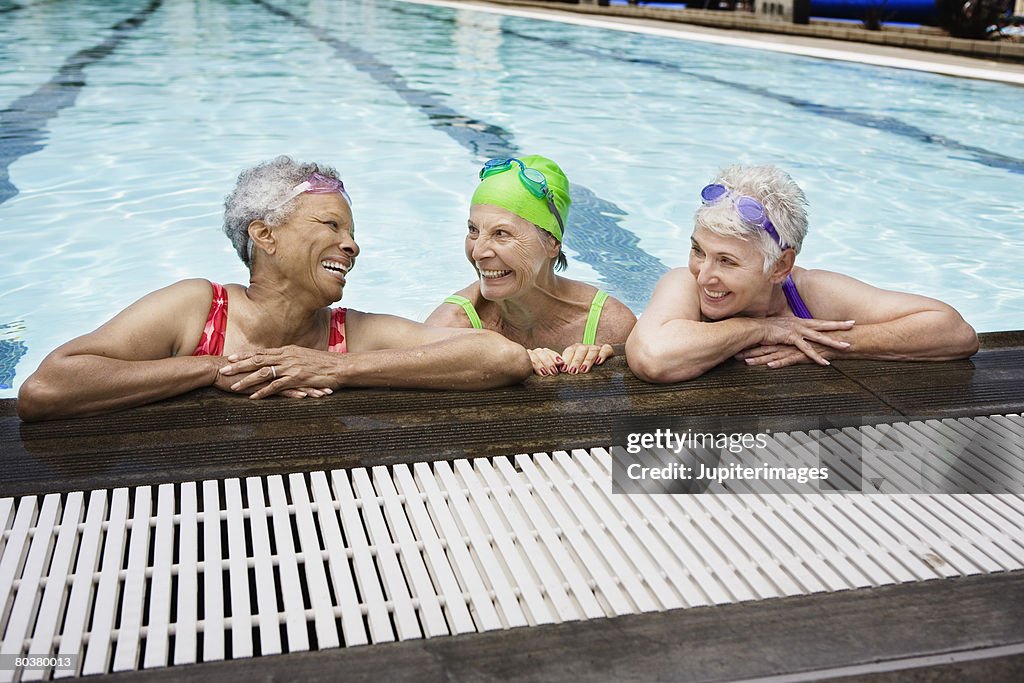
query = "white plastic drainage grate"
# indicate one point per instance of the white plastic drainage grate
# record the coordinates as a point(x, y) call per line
point(214, 570)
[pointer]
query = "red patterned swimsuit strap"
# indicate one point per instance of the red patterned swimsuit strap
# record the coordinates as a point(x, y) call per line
point(211, 342)
point(337, 342)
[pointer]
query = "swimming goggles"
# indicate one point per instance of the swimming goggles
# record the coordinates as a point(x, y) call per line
point(316, 183)
point(748, 208)
point(532, 179)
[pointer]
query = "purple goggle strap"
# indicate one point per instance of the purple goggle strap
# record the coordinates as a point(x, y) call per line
point(748, 208)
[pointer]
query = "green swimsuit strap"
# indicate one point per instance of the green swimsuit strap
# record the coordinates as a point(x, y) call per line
point(590, 331)
point(467, 306)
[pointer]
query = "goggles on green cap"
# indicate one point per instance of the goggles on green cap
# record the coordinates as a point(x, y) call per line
point(533, 180)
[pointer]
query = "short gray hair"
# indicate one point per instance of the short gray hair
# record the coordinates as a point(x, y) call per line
point(783, 201)
point(257, 190)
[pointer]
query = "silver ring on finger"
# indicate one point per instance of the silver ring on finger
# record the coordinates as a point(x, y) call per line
point(273, 369)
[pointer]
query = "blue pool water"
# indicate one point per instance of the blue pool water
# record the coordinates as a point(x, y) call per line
point(124, 122)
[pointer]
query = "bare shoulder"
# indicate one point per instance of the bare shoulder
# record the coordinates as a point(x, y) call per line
point(160, 324)
point(676, 285)
point(189, 300)
point(453, 315)
point(676, 275)
point(617, 322)
point(381, 331)
point(822, 279)
point(360, 322)
point(180, 294)
point(835, 296)
point(192, 292)
point(370, 331)
point(675, 297)
point(170, 305)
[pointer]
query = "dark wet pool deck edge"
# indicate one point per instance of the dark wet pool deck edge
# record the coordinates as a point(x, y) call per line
point(211, 435)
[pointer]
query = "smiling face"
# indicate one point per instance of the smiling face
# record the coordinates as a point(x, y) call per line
point(318, 242)
point(730, 276)
point(509, 253)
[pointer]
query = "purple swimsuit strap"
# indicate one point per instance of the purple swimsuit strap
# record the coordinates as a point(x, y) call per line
point(796, 304)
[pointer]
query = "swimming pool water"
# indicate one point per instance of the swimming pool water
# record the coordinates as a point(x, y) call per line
point(124, 122)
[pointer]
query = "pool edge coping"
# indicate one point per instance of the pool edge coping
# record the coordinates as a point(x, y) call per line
point(899, 55)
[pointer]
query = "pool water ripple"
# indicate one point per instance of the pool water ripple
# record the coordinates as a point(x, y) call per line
point(600, 242)
point(24, 120)
point(888, 124)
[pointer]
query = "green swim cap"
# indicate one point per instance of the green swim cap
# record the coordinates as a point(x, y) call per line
point(505, 190)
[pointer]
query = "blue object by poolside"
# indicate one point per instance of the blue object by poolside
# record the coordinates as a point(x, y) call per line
point(916, 11)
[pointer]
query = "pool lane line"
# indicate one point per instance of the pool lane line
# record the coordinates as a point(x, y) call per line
point(887, 124)
point(976, 73)
point(23, 122)
point(16, 6)
point(481, 138)
point(596, 235)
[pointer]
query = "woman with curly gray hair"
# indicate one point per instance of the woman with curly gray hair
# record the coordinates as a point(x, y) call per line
point(291, 224)
point(741, 295)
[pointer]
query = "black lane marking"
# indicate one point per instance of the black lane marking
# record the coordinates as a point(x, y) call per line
point(12, 6)
point(23, 123)
point(888, 124)
point(594, 233)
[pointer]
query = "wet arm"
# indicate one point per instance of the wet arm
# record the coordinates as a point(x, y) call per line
point(895, 325)
point(924, 336)
point(387, 351)
point(677, 350)
point(473, 360)
point(124, 363)
point(70, 384)
point(671, 344)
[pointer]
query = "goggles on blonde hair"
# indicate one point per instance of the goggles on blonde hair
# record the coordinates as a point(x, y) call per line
point(749, 209)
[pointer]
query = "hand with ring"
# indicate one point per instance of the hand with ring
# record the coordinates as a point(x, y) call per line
point(291, 371)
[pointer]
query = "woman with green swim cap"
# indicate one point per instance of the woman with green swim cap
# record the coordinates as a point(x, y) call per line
point(518, 216)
